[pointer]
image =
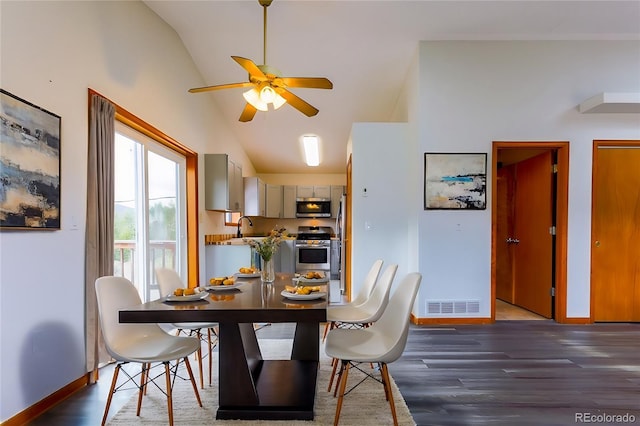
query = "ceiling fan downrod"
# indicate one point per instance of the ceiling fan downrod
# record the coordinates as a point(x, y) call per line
point(264, 4)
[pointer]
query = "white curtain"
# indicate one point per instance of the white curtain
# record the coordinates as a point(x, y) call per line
point(100, 213)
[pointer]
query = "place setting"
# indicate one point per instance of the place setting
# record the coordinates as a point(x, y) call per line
point(227, 283)
point(187, 295)
point(303, 292)
point(310, 277)
point(247, 272)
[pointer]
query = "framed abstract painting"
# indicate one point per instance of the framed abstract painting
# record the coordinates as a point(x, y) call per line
point(455, 181)
point(29, 165)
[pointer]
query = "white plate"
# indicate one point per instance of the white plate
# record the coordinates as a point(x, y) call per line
point(311, 296)
point(254, 275)
point(312, 280)
point(191, 297)
point(223, 287)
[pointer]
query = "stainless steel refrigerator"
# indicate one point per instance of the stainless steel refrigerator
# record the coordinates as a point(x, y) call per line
point(339, 254)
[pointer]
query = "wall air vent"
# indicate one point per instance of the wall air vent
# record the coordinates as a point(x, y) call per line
point(447, 307)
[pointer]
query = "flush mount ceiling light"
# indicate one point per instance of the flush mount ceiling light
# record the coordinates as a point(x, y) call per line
point(311, 151)
point(267, 84)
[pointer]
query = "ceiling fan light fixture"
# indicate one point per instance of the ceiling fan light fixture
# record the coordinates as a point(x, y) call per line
point(311, 150)
point(278, 101)
point(267, 94)
point(253, 97)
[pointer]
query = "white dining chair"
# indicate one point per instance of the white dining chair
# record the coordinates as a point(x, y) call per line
point(146, 344)
point(363, 293)
point(381, 343)
point(366, 313)
point(168, 281)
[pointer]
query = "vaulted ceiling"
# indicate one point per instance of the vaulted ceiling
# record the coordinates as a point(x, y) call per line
point(364, 47)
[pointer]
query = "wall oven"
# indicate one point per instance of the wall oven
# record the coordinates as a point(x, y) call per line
point(314, 256)
point(313, 249)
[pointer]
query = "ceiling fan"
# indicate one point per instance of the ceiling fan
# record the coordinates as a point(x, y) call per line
point(268, 86)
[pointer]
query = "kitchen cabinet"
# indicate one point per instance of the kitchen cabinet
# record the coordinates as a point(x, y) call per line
point(311, 191)
point(254, 197)
point(223, 183)
point(225, 260)
point(273, 201)
point(336, 195)
point(289, 201)
point(287, 254)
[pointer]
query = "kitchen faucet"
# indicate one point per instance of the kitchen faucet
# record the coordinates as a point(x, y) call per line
point(239, 233)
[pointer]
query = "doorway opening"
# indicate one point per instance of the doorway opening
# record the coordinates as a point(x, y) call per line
point(529, 227)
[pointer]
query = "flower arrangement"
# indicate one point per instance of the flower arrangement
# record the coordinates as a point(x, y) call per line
point(269, 245)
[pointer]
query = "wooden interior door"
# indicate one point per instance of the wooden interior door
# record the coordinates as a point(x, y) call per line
point(615, 249)
point(533, 249)
point(346, 244)
point(504, 231)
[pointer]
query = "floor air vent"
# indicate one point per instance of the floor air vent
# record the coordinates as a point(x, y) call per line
point(445, 307)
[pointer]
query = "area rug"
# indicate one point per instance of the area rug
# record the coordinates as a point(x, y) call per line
point(366, 405)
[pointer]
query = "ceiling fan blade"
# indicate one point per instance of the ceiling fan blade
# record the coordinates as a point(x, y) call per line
point(251, 67)
point(299, 104)
point(307, 82)
point(220, 86)
point(248, 113)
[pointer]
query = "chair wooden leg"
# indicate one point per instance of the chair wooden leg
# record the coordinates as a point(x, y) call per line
point(210, 348)
point(327, 328)
point(167, 373)
point(142, 389)
point(387, 389)
point(387, 385)
point(193, 381)
point(343, 386)
point(199, 356)
point(334, 363)
point(114, 380)
point(339, 378)
point(145, 377)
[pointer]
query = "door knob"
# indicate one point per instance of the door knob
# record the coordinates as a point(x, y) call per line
point(597, 243)
point(512, 240)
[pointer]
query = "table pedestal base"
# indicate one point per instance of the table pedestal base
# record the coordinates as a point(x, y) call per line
point(252, 388)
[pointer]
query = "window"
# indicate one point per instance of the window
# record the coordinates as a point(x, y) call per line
point(150, 210)
point(231, 218)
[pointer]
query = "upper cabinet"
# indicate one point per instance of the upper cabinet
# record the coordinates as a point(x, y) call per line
point(336, 195)
point(274, 201)
point(255, 197)
point(311, 191)
point(289, 201)
point(223, 183)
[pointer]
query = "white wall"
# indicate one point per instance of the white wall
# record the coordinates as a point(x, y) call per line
point(473, 93)
point(380, 218)
point(52, 52)
point(470, 94)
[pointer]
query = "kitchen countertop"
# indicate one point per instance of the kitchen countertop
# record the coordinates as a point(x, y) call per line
point(240, 241)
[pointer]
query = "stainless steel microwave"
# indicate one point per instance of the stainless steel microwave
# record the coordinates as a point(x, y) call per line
point(313, 207)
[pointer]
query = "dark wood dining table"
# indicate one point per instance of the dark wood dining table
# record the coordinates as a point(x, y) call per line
point(250, 387)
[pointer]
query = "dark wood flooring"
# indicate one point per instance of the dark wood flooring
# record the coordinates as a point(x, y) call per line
point(506, 373)
point(520, 373)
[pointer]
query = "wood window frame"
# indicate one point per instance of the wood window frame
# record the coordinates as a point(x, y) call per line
point(191, 157)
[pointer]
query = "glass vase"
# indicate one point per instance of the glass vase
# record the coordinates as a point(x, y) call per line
point(268, 272)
